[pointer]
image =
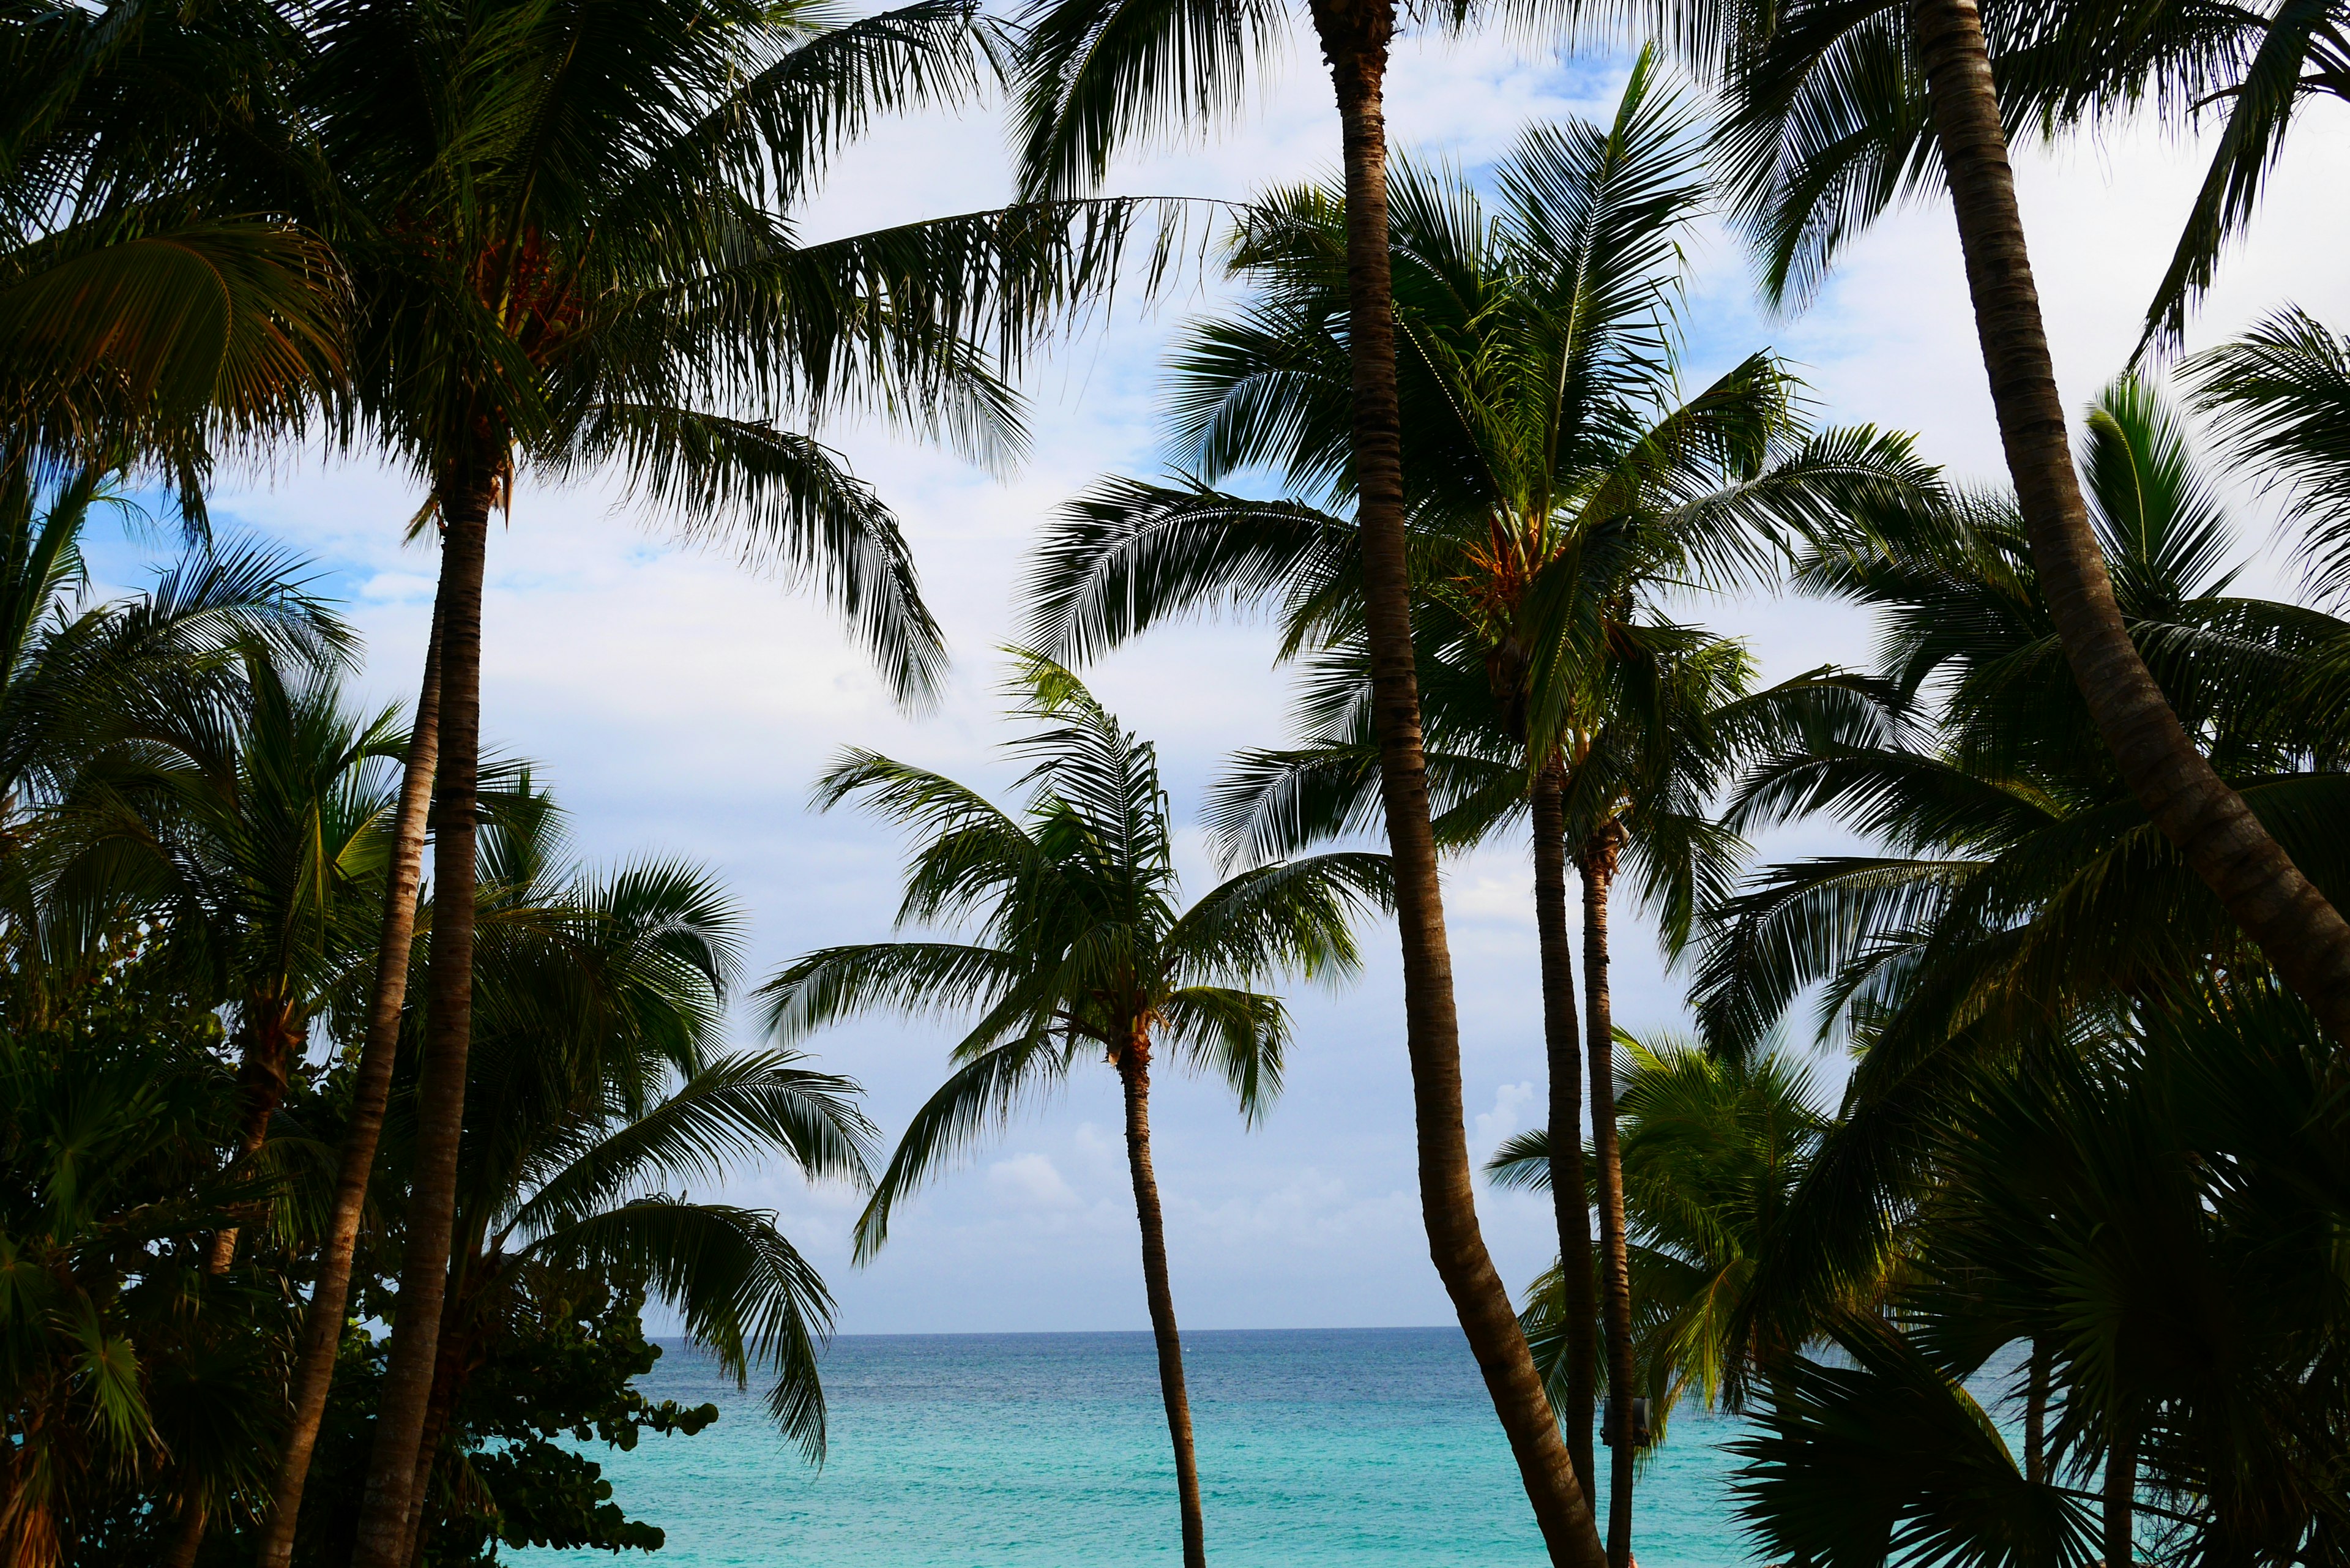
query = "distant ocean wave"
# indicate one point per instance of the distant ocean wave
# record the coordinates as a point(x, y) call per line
point(1318, 1449)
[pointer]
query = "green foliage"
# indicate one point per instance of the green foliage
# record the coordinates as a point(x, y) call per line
point(557, 1381)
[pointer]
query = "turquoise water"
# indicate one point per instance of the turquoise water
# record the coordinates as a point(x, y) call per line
point(1324, 1449)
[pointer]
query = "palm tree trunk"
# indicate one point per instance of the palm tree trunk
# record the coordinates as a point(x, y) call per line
point(2121, 1497)
point(440, 1085)
point(1354, 36)
point(1134, 1074)
point(1564, 1050)
point(322, 1329)
point(188, 1537)
point(2036, 1416)
point(448, 1371)
point(2301, 934)
point(271, 1044)
point(1598, 866)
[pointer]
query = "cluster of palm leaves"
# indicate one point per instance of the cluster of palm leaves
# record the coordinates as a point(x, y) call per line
point(542, 241)
point(198, 833)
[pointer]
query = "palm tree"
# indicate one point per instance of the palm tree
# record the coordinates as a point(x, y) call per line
point(1826, 130)
point(595, 1090)
point(2019, 896)
point(606, 280)
point(1554, 472)
point(251, 833)
point(1081, 946)
point(145, 313)
point(1713, 1147)
point(78, 680)
point(1094, 74)
point(2282, 395)
point(2145, 1213)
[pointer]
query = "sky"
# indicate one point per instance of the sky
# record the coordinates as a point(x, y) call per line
point(679, 705)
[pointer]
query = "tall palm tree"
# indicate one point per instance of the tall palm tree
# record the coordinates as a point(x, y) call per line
point(595, 1090)
point(1555, 470)
point(1094, 74)
point(1081, 945)
point(571, 253)
point(1836, 111)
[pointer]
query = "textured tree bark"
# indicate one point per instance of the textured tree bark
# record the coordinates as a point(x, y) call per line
point(440, 1086)
point(2036, 1417)
point(2303, 935)
point(1354, 36)
point(1561, 1036)
point(1597, 863)
point(449, 1374)
point(273, 1041)
point(322, 1329)
point(2121, 1498)
point(1134, 1074)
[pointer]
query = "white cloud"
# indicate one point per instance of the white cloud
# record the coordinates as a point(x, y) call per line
point(1031, 1180)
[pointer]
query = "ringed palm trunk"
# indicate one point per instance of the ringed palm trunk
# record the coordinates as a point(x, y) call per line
point(465, 505)
point(451, 1368)
point(322, 1329)
point(2303, 935)
point(1565, 1052)
point(1134, 1077)
point(1354, 36)
point(1600, 853)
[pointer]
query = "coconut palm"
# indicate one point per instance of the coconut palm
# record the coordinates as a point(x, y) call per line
point(78, 679)
point(595, 1092)
point(1556, 474)
point(1836, 109)
point(1094, 75)
point(568, 238)
point(2282, 396)
point(2020, 897)
point(2146, 1213)
point(1713, 1147)
point(1081, 945)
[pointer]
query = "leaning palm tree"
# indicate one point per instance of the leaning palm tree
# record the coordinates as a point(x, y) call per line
point(1081, 946)
point(1836, 111)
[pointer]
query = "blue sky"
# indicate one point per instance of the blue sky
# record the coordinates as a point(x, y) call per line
point(680, 705)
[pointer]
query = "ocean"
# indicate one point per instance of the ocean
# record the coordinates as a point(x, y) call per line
point(1318, 1449)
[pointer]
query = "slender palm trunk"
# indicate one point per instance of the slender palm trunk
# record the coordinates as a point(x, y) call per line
point(272, 1042)
point(2301, 933)
point(440, 1085)
point(1134, 1074)
point(2036, 1416)
point(1598, 866)
point(448, 1371)
point(2121, 1498)
point(1354, 36)
point(322, 1329)
point(1561, 1033)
